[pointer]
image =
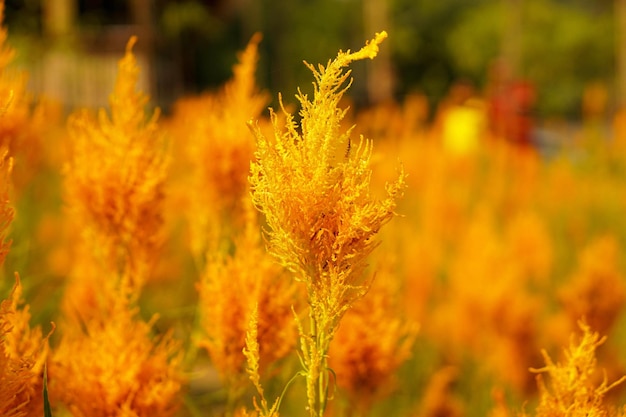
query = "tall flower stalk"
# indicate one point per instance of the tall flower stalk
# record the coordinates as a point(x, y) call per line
point(23, 349)
point(211, 127)
point(114, 183)
point(115, 177)
point(312, 183)
point(230, 289)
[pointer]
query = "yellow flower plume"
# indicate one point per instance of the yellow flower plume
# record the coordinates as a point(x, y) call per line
point(572, 388)
point(312, 184)
point(322, 220)
point(23, 352)
point(122, 368)
point(212, 127)
point(116, 175)
point(229, 289)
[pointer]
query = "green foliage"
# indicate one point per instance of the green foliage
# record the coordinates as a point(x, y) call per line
point(432, 43)
point(47, 412)
point(476, 39)
point(556, 66)
point(554, 37)
point(421, 55)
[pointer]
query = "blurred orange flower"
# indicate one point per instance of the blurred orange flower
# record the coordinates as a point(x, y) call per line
point(23, 352)
point(571, 389)
point(230, 288)
point(117, 367)
point(596, 291)
point(219, 148)
point(371, 343)
point(114, 179)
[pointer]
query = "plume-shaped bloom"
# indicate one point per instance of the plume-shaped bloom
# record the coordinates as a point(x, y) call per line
point(596, 291)
point(23, 352)
point(218, 145)
point(114, 180)
point(371, 343)
point(114, 184)
point(313, 188)
point(19, 132)
point(572, 389)
point(312, 184)
point(117, 368)
point(252, 352)
point(230, 288)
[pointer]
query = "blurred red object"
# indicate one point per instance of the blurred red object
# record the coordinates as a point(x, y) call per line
point(510, 104)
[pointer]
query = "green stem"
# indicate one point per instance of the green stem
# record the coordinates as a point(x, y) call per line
point(311, 363)
point(323, 375)
point(317, 373)
point(46, 402)
point(282, 394)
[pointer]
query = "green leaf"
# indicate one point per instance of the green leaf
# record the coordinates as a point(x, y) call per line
point(46, 403)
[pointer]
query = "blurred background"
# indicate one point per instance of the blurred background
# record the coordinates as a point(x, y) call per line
point(562, 55)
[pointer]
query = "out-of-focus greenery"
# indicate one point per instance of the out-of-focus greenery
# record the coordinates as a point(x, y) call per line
point(555, 35)
point(432, 43)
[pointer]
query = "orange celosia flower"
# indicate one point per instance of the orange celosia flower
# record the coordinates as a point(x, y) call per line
point(117, 368)
point(486, 310)
point(23, 352)
point(114, 184)
point(213, 128)
point(439, 399)
point(230, 287)
point(321, 217)
point(371, 343)
point(316, 202)
point(114, 180)
point(252, 352)
point(312, 184)
point(572, 390)
point(596, 291)
point(18, 133)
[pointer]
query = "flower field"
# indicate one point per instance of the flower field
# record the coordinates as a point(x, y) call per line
point(227, 260)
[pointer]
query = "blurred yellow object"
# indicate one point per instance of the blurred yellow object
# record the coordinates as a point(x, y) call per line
point(463, 127)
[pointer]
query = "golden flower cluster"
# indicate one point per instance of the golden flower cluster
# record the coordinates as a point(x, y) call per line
point(115, 178)
point(23, 352)
point(124, 370)
point(312, 183)
point(313, 188)
point(572, 389)
point(218, 146)
point(371, 343)
point(231, 287)
point(114, 184)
